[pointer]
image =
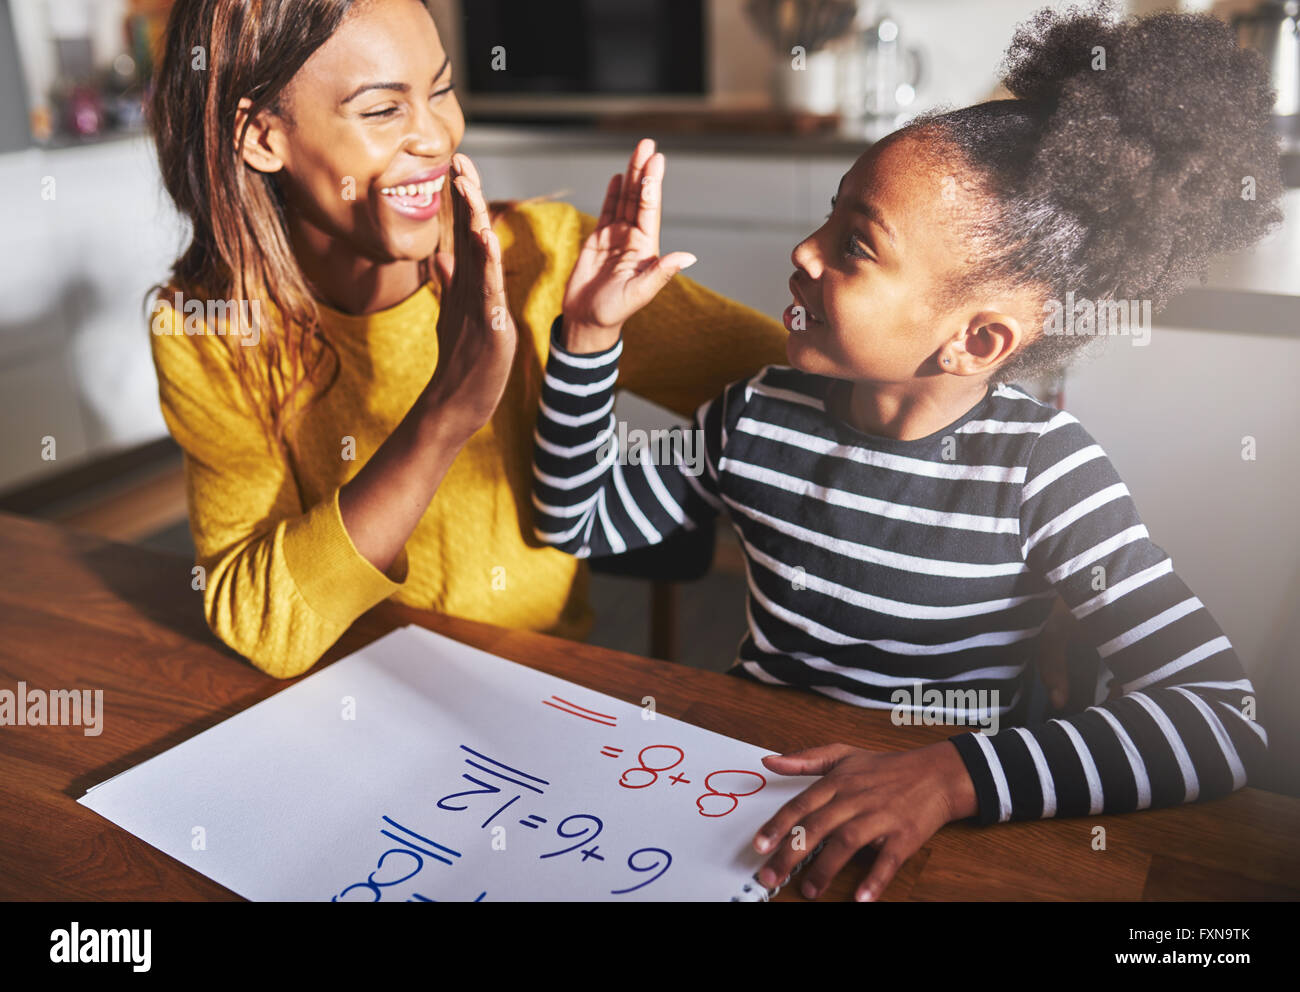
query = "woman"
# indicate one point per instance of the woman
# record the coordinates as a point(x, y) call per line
point(347, 452)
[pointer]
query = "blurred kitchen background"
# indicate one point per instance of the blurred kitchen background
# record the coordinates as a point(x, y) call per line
point(756, 145)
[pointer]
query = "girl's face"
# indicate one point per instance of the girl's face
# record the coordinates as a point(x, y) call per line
point(872, 281)
point(372, 125)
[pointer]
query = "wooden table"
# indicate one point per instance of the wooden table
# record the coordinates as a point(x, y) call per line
point(80, 612)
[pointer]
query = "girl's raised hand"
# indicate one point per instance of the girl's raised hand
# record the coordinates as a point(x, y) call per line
point(476, 333)
point(619, 269)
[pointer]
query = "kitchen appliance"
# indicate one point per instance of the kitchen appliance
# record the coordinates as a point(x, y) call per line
point(532, 58)
point(1273, 30)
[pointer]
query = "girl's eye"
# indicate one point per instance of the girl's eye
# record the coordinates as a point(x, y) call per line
point(443, 92)
point(386, 112)
point(856, 246)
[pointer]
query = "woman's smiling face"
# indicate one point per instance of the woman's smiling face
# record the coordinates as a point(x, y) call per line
point(873, 279)
point(372, 125)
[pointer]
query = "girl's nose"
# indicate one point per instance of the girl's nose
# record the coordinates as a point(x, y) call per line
point(807, 257)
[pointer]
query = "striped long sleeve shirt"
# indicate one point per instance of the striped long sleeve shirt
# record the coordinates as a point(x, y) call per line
point(876, 566)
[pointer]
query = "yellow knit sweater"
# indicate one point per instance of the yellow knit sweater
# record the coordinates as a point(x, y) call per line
point(283, 579)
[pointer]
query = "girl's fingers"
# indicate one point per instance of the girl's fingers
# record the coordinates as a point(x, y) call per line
point(645, 285)
point(630, 200)
point(793, 813)
point(849, 836)
point(889, 859)
point(610, 206)
point(827, 823)
point(650, 202)
point(809, 761)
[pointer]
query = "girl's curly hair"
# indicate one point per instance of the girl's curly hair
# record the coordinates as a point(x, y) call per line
point(1134, 153)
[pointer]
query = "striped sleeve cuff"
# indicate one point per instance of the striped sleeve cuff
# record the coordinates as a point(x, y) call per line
point(991, 790)
point(580, 368)
point(334, 578)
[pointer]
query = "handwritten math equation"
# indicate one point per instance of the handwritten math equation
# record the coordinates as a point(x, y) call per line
point(504, 793)
point(655, 759)
point(577, 833)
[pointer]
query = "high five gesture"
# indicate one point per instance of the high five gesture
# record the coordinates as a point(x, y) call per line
point(619, 269)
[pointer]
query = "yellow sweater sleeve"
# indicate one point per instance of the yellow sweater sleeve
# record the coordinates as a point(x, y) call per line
point(690, 343)
point(282, 581)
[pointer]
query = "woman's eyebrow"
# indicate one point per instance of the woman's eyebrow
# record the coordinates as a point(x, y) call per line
point(367, 87)
point(397, 87)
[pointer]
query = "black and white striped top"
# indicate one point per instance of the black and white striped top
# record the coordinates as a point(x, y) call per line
point(876, 564)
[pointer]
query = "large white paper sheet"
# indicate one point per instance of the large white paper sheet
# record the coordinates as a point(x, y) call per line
point(420, 768)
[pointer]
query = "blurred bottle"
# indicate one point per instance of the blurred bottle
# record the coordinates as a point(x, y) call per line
point(881, 77)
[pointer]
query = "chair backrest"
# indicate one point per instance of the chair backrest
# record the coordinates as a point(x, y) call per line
point(682, 557)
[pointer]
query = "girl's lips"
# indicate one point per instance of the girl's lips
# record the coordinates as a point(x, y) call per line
point(805, 316)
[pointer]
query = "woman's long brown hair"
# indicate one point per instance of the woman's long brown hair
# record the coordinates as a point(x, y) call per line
point(215, 53)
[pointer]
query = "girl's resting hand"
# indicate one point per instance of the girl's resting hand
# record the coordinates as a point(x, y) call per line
point(476, 333)
point(893, 801)
point(619, 269)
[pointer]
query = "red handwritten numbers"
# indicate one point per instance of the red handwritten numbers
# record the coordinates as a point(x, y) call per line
point(653, 771)
point(709, 803)
point(735, 797)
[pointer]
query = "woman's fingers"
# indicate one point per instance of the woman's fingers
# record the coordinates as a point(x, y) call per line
point(469, 170)
point(494, 288)
point(462, 245)
point(480, 218)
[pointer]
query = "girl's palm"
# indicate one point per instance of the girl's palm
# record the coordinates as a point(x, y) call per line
point(619, 269)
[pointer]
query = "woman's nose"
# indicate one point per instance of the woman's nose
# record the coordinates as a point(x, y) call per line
point(431, 137)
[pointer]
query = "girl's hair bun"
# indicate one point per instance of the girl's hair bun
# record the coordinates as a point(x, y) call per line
point(1152, 130)
point(1135, 152)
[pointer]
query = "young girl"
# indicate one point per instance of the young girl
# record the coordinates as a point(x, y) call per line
point(371, 436)
point(906, 515)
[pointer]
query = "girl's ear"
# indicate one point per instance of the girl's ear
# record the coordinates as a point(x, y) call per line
point(261, 143)
point(988, 339)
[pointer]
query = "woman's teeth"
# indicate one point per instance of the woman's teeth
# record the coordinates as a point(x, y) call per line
point(423, 191)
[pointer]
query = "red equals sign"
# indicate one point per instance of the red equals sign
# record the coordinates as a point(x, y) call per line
point(611, 752)
point(573, 709)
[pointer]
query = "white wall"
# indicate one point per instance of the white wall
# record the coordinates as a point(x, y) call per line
point(1172, 416)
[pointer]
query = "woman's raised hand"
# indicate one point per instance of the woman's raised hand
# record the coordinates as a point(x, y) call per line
point(476, 333)
point(619, 269)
